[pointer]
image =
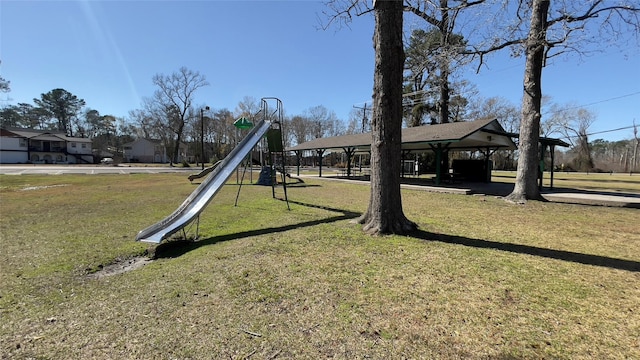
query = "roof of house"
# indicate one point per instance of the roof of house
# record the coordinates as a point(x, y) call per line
point(46, 135)
point(153, 141)
point(468, 135)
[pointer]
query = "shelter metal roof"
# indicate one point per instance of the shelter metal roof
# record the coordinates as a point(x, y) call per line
point(468, 135)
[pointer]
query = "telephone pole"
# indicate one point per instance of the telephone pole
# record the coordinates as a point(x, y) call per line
point(364, 116)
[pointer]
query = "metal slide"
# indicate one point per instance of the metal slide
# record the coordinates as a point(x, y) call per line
point(202, 195)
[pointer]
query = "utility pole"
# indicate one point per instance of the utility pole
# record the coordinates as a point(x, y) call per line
point(635, 148)
point(206, 108)
point(364, 116)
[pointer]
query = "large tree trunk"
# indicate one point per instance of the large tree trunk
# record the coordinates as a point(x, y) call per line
point(176, 152)
point(526, 186)
point(175, 157)
point(444, 60)
point(385, 215)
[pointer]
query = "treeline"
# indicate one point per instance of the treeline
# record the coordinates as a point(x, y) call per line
point(171, 116)
point(173, 119)
point(60, 110)
point(616, 156)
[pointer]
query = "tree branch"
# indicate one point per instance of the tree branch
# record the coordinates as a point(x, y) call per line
point(343, 11)
point(592, 12)
point(482, 52)
point(421, 14)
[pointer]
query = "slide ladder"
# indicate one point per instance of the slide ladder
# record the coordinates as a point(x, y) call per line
point(276, 159)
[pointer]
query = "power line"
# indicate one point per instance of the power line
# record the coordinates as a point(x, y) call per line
point(568, 137)
point(593, 103)
point(612, 130)
point(364, 115)
point(565, 109)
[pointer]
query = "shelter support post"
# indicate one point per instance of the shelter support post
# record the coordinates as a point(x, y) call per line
point(551, 143)
point(439, 150)
point(487, 152)
point(552, 151)
point(349, 151)
point(320, 153)
point(298, 156)
point(541, 165)
point(405, 155)
point(438, 164)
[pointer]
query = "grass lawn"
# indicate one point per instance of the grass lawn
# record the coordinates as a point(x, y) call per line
point(615, 182)
point(481, 279)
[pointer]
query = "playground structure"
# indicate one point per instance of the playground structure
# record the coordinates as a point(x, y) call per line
point(270, 127)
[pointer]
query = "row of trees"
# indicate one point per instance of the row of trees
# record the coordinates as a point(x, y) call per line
point(109, 133)
point(58, 109)
point(170, 115)
point(619, 156)
point(62, 111)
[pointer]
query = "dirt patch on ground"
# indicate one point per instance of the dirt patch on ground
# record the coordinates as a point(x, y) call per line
point(119, 267)
point(31, 188)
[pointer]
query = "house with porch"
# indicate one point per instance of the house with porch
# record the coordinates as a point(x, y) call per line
point(21, 146)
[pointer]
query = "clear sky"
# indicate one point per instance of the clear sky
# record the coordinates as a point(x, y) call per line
point(106, 52)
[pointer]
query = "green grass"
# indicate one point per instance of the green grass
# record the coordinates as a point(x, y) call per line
point(481, 279)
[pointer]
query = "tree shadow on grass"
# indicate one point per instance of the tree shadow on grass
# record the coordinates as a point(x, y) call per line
point(176, 248)
point(586, 259)
point(172, 249)
point(301, 185)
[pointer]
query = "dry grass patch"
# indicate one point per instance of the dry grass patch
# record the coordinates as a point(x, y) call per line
point(615, 182)
point(482, 279)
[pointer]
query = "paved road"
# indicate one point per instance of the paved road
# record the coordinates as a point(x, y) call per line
point(89, 169)
point(578, 197)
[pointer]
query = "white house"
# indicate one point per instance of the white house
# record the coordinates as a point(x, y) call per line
point(43, 146)
point(145, 151)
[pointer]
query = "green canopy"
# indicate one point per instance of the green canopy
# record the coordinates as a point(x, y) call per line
point(243, 123)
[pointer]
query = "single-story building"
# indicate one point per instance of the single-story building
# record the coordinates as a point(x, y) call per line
point(21, 146)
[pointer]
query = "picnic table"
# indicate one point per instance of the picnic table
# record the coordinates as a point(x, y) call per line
point(355, 172)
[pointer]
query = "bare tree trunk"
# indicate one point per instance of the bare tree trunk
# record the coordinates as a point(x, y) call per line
point(526, 186)
point(384, 214)
point(175, 157)
point(584, 159)
point(633, 162)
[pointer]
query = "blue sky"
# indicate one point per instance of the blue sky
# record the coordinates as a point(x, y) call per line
point(106, 52)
